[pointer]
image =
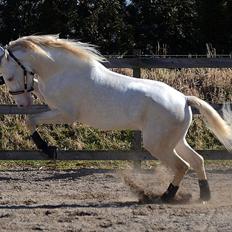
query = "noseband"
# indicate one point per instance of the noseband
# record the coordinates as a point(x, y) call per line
point(25, 73)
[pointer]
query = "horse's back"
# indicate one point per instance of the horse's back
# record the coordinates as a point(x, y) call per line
point(138, 100)
point(160, 97)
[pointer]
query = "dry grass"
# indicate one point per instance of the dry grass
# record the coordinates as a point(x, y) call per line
point(212, 85)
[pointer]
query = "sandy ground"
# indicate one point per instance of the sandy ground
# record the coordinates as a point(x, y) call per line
point(99, 200)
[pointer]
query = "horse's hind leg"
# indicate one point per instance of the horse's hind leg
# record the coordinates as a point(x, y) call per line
point(196, 161)
point(162, 150)
point(179, 167)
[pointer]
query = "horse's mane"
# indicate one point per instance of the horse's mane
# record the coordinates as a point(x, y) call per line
point(36, 43)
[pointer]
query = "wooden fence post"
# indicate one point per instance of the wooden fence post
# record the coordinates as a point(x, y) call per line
point(137, 138)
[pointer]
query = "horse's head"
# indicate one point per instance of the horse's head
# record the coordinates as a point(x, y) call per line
point(17, 77)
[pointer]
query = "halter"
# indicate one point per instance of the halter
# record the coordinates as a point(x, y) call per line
point(25, 72)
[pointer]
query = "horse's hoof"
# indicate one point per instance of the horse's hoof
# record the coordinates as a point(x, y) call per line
point(169, 194)
point(51, 151)
point(204, 190)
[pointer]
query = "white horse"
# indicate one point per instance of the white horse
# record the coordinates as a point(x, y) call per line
point(77, 87)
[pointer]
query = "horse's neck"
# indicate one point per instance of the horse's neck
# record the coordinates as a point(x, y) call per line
point(57, 62)
point(61, 63)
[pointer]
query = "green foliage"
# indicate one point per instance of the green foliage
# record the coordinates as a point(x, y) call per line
point(214, 18)
point(101, 22)
point(181, 26)
point(167, 22)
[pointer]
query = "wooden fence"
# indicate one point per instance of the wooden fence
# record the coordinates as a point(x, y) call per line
point(136, 153)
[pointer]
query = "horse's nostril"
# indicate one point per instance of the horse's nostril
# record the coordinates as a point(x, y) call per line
point(20, 105)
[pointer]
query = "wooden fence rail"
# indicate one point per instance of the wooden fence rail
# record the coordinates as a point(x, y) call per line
point(102, 155)
point(13, 109)
point(137, 154)
point(172, 62)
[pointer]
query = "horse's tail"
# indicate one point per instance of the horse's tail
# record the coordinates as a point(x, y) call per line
point(220, 127)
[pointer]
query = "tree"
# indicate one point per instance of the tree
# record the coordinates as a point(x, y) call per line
point(118, 27)
point(17, 18)
point(102, 23)
point(98, 22)
point(213, 19)
point(168, 22)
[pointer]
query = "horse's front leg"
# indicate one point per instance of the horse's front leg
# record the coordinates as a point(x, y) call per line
point(49, 117)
